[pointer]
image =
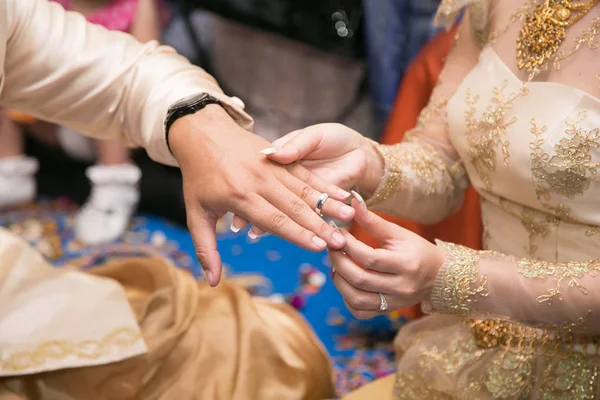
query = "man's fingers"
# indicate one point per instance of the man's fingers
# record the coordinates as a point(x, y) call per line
point(310, 188)
point(269, 218)
point(203, 227)
point(296, 209)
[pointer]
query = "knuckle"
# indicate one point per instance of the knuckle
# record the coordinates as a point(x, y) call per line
point(238, 191)
point(359, 280)
point(278, 220)
point(409, 266)
point(408, 290)
point(306, 192)
point(299, 207)
point(201, 254)
point(323, 228)
point(372, 262)
point(307, 176)
point(374, 220)
point(358, 302)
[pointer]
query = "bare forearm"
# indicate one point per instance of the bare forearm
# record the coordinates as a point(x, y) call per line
point(146, 25)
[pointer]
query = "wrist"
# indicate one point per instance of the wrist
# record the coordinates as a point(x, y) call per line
point(198, 129)
point(374, 170)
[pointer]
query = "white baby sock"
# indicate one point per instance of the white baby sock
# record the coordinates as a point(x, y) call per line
point(112, 203)
point(17, 180)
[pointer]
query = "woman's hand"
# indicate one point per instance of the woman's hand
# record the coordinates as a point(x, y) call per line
point(403, 270)
point(333, 152)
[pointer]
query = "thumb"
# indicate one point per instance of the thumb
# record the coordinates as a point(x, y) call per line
point(301, 144)
point(378, 227)
point(203, 227)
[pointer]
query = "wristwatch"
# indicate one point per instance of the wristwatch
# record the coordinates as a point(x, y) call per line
point(186, 106)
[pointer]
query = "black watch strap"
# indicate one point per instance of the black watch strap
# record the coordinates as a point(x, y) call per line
point(189, 105)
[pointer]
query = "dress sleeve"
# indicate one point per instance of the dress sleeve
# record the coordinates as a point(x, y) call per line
point(484, 284)
point(424, 179)
point(105, 84)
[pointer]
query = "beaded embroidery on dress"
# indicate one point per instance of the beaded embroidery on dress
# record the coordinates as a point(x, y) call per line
point(518, 320)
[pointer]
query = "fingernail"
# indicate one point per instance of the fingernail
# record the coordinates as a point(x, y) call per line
point(343, 193)
point(347, 211)
point(338, 238)
point(360, 199)
point(252, 235)
point(234, 229)
point(269, 150)
point(348, 199)
point(209, 276)
point(319, 242)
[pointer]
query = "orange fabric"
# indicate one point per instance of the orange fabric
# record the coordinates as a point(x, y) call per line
point(21, 118)
point(464, 227)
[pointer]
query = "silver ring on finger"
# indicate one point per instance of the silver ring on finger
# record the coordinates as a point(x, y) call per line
point(383, 304)
point(320, 203)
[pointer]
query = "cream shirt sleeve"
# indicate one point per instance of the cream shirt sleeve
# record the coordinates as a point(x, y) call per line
point(104, 84)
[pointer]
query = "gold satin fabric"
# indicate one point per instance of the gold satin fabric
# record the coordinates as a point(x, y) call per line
point(203, 343)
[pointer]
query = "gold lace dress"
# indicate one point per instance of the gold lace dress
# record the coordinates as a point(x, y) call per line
point(520, 320)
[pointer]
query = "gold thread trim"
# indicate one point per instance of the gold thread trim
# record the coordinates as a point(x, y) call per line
point(61, 349)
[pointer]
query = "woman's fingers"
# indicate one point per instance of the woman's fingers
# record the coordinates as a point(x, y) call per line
point(358, 299)
point(361, 314)
point(295, 146)
point(238, 224)
point(379, 260)
point(358, 277)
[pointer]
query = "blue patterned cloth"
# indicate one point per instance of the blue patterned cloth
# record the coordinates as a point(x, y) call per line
point(395, 32)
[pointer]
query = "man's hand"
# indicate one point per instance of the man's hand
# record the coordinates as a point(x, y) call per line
point(223, 170)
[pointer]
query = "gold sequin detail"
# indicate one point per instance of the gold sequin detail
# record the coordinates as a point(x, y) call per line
point(421, 159)
point(418, 384)
point(561, 273)
point(434, 108)
point(570, 170)
point(587, 37)
point(57, 350)
point(495, 333)
point(501, 360)
point(510, 370)
point(458, 284)
point(486, 134)
point(393, 179)
point(536, 224)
